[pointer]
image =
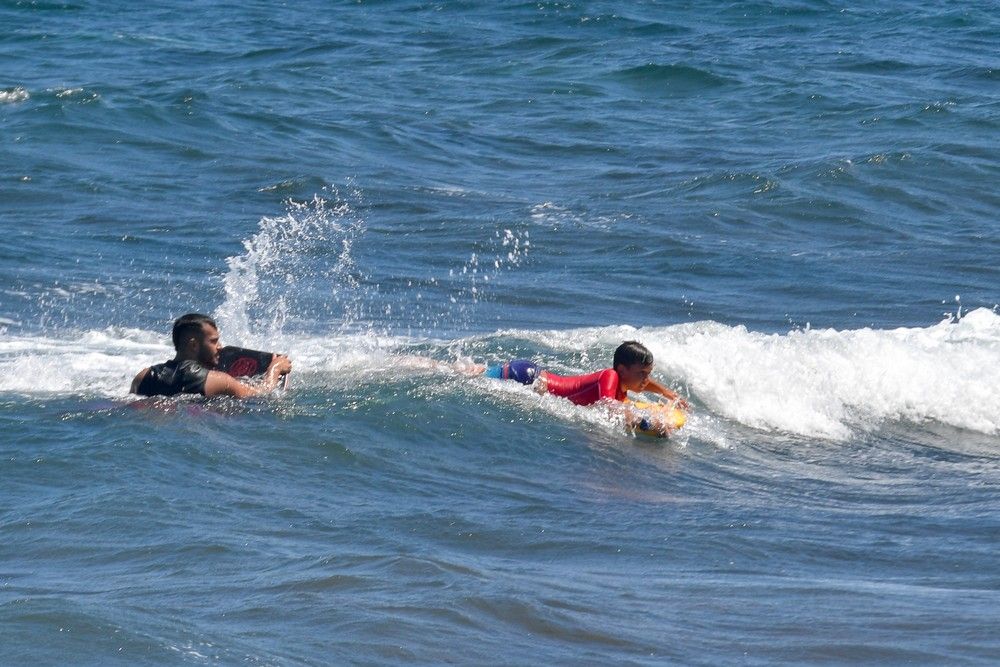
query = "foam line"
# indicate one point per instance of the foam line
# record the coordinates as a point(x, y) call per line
point(818, 383)
point(826, 383)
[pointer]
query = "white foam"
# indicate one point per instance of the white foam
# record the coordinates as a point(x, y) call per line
point(552, 215)
point(12, 95)
point(92, 362)
point(103, 363)
point(826, 383)
point(77, 94)
point(817, 383)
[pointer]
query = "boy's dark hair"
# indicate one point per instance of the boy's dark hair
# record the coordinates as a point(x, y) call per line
point(189, 325)
point(632, 352)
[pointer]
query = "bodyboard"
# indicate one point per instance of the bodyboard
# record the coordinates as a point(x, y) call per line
point(665, 413)
point(241, 362)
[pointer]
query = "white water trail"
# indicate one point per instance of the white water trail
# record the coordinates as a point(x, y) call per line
point(822, 383)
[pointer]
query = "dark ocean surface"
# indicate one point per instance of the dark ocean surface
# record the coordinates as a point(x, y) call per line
point(793, 204)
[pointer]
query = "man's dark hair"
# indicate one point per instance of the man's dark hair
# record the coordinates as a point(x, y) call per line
point(189, 325)
point(632, 352)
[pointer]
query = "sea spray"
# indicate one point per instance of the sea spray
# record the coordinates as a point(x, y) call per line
point(504, 251)
point(298, 266)
point(301, 270)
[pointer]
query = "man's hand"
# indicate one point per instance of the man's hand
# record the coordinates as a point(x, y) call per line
point(280, 365)
point(220, 384)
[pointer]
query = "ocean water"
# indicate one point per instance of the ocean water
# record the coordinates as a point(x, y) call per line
point(793, 203)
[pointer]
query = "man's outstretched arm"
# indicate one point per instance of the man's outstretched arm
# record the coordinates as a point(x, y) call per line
point(220, 384)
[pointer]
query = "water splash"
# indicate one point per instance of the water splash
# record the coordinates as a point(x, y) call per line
point(298, 267)
point(506, 250)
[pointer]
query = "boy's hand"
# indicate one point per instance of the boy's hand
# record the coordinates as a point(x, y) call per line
point(676, 398)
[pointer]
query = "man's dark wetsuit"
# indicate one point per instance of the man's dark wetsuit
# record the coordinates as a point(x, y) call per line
point(174, 377)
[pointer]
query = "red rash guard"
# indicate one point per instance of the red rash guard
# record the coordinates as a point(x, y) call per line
point(586, 389)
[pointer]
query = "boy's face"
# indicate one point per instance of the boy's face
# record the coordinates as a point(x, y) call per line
point(633, 377)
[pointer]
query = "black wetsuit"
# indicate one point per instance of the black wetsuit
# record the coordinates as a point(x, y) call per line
point(174, 377)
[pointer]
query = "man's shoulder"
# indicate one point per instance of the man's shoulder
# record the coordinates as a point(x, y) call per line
point(175, 376)
point(191, 374)
point(188, 366)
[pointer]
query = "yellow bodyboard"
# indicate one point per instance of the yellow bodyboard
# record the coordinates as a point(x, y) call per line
point(665, 415)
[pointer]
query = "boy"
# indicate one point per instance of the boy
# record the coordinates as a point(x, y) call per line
point(630, 370)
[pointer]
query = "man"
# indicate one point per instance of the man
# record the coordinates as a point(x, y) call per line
point(196, 340)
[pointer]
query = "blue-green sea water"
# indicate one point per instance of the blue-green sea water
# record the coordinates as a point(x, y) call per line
point(792, 203)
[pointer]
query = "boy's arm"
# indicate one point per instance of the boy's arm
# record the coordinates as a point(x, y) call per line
point(657, 388)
